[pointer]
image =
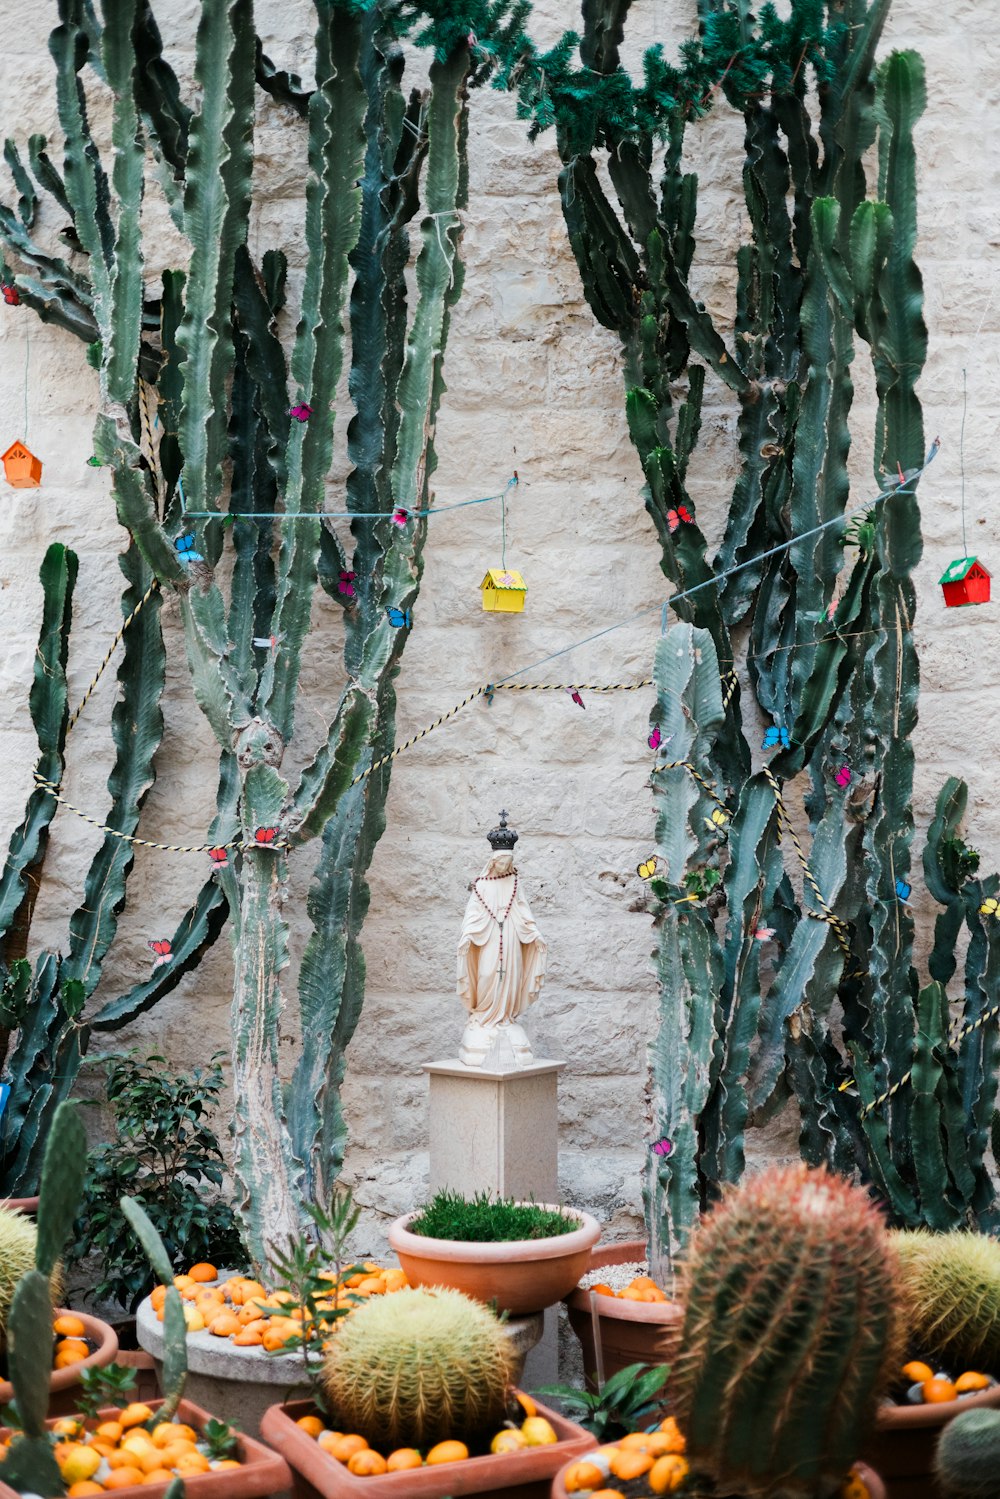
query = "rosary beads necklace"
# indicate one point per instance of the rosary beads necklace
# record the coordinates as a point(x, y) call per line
point(501, 921)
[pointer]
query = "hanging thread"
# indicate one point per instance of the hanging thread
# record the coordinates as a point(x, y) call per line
point(961, 458)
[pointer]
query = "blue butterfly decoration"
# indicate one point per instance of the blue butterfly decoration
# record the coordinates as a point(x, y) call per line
point(903, 889)
point(185, 548)
point(774, 737)
point(4, 1095)
point(399, 617)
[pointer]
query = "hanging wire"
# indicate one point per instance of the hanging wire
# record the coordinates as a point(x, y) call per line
point(503, 531)
point(27, 355)
point(961, 458)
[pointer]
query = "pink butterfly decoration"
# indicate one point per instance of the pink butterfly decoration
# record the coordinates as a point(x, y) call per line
point(662, 1147)
point(674, 518)
point(400, 516)
point(576, 697)
point(218, 857)
point(161, 947)
point(301, 413)
point(763, 933)
point(655, 738)
point(346, 584)
point(843, 776)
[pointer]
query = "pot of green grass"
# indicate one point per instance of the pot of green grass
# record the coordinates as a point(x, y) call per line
point(521, 1256)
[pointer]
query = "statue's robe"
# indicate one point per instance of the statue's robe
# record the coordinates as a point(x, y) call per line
point(490, 995)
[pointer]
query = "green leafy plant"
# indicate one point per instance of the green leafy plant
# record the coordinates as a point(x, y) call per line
point(625, 1401)
point(485, 1219)
point(218, 1438)
point(309, 1274)
point(112, 1385)
point(167, 1155)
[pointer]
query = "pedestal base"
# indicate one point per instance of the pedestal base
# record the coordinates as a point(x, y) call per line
point(494, 1131)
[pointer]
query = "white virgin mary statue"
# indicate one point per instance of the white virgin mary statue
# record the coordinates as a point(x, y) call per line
point(501, 960)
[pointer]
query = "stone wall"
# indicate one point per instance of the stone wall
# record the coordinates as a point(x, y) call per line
point(534, 385)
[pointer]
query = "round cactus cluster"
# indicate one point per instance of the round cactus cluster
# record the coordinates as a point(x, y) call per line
point(950, 1286)
point(790, 1333)
point(418, 1367)
point(968, 1456)
point(18, 1237)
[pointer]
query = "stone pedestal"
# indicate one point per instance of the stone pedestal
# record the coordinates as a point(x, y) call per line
point(494, 1131)
point(499, 1132)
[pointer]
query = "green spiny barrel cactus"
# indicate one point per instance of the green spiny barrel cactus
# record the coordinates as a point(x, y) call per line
point(790, 1333)
point(950, 1287)
point(418, 1367)
point(967, 1463)
point(18, 1238)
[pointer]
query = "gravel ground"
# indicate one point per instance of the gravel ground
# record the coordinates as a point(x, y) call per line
point(615, 1276)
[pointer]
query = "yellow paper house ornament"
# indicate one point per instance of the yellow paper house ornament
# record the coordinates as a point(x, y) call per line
point(21, 467)
point(503, 591)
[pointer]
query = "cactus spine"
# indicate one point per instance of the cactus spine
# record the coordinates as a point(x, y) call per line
point(967, 1459)
point(790, 1333)
point(417, 1367)
point(18, 1238)
point(212, 365)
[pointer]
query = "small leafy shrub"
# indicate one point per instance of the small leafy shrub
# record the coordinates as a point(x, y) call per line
point(484, 1219)
point(627, 1401)
point(166, 1154)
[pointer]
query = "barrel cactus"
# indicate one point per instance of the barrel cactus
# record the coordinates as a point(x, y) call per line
point(950, 1285)
point(790, 1333)
point(968, 1456)
point(18, 1238)
point(420, 1366)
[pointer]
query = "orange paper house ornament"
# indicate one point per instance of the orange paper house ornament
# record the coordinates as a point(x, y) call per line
point(21, 467)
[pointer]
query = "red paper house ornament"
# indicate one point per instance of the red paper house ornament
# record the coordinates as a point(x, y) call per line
point(965, 581)
point(21, 467)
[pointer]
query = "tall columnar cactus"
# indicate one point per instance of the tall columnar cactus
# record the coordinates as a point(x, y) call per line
point(800, 916)
point(790, 1334)
point(198, 407)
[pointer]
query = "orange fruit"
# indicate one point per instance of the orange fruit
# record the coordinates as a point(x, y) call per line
point(109, 1431)
point(667, 1473)
point(122, 1478)
point(971, 1380)
point(190, 1464)
point(630, 1464)
point(538, 1432)
point(447, 1452)
point(917, 1373)
point(311, 1425)
point(68, 1357)
point(606, 1494)
point(937, 1391)
point(248, 1337)
point(344, 1447)
point(601, 1289)
point(169, 1432)
point(581, 1476)
point(135, 1414)
point(669, 1428)
point(158, 1297)
point(526, 1403)
point(508, 1440)
point(403, 1457)
point(159, 1475)
point(68, 1326)
point(84, 1486)
point(224, 1325)
point(855, 1487)
point(203, 1272)
point(366, 1463)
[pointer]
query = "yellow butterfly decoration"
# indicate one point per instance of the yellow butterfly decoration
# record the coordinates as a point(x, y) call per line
point(990, 907)
point(646, 870)
point(718, 819)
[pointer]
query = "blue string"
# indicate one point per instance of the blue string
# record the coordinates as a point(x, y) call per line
point(331, 514)
point(715, 580)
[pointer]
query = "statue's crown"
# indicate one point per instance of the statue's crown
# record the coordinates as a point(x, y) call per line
point(503, 837)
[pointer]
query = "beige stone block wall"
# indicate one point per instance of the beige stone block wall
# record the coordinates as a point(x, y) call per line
point(533, 384)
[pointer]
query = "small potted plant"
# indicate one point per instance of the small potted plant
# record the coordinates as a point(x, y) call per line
point(949, 1288)
point(413, 1399)
point(159, 1445)
point(789, 1339)
point(520, 1256)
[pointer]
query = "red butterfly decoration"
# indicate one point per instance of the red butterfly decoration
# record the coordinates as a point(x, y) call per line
point(219, 857)
point(674, 518)
point(662, 1147)
point(10, 295)
point(843, 776)
point(400, 516)
point(161, 947)
point(301, 413)
point(576, 697)
point(346, 584)
point(265, 835)
point(655, 738)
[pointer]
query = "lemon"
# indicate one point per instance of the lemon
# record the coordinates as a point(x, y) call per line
point(538, 1432)
point(79, 1462)
point(508, 1441)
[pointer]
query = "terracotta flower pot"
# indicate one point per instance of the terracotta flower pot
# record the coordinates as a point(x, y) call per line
point(504, 1475)
point(876, 1488)
point(63, 1382)
point(28, 1205)
point(261, 1473)
point(523, 1275)
point(632, 1332)
point(905, 1440)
